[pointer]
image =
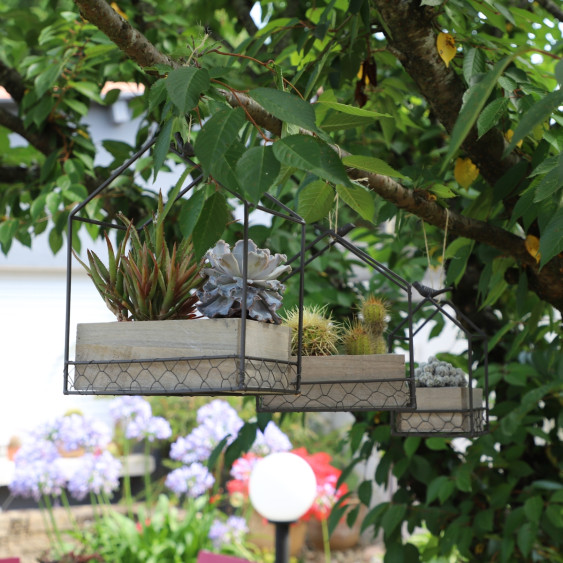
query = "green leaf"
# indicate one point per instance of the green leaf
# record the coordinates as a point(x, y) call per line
point(47, 79)
point(185, 85)
point(525, 538)
point(162, 146)
point(491, 114)
point(335, 121)
point(77, 106)
point(549, 184)
point(359, 199)
point(285, 106)
point(410, 445)
point(436, 444)
point(554, 513)
point(189, 215)
point(89, 89)
point(364, 492)
point(217, 135)
point(352, 110)
point(535, 115)
point(434, 488)
point(393, 516)
point(371, 164)
point(311, 154)
point(441, 191)
point(257, 170)
point(55, 240)
point(474, 62)
point(315, 201)
point(559, 72)
point(551, 240)
point(476, 98)
point(211, 223)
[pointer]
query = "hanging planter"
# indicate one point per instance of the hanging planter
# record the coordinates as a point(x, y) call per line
point(365, 378)
point(448, 401)
point(157, 291)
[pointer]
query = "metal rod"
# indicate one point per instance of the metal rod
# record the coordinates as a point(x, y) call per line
point(282, 541)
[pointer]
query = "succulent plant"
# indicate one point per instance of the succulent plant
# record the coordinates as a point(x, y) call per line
point(365, 335)
point(222, 293)
point(359, 341)
point(150, 281)
point(374, 310)
point(321, 333)
point(436, 373)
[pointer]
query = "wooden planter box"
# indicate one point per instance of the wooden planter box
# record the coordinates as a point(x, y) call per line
point(443, 410)
point(346, 383)
point(196, 356)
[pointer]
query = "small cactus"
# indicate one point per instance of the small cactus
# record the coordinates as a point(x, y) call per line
point(321, 333)
point(365, 335)
point(436, 373)
point(374, 311)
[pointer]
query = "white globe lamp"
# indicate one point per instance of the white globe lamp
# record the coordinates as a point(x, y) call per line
point(282, 488)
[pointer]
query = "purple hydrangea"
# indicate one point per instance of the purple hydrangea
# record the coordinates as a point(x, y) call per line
point(270, 441)
point(229, 532)
point(152, 428)
point(193, 480)
point(96, 474)
point(217, 420)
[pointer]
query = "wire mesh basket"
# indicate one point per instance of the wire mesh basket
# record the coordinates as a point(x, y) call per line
point(448, 411)
point(182, 357)
point(347, 382)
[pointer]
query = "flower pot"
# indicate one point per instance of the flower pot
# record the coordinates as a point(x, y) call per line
point(346, 383)
point(443, 409)
point(262, 534)
point(187, 357)
point(343, 536)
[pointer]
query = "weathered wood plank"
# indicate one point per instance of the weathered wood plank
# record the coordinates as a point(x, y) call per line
point(163, 340)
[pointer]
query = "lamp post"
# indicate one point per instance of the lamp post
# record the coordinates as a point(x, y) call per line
point(282, 487)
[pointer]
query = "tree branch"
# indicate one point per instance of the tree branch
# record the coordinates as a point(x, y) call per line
point(18, 174)
point(133, 43)
point(12, 81)
point(42, 143)
point(547, 283)
point(412, 38)
point(551, 7)
point(242, 9)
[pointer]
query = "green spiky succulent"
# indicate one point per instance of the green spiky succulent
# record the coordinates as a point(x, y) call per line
point(150, 281)
point(374, 312)
point(365, 335)
point(321, 333)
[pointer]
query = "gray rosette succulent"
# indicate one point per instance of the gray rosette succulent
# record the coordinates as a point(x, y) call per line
point(222, 293)
point(436, 373)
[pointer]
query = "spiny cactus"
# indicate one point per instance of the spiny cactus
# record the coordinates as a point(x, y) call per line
point(321, 333)
point(436, 373)
point(150, 281)
point(374, 311)
point(365, 335)
point(222, 293)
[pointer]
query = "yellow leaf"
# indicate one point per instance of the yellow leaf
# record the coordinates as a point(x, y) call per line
point(446, 47)
point(361, 73)
point(465, 172)
point(119, 10)
point(532, 244)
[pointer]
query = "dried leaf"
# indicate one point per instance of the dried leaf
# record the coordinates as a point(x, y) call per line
point(532, 244)
point(465, 172)
point(508, 136)
point(446, 47)
point(119, 10)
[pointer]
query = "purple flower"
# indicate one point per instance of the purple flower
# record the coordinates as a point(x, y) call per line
point(229, 532)
point(270, 441)
point(193, 480)
point(77, 431)
point(123, 409)
point(217, 420)
point(96, 474)
point(152, 428)
point(36, 477)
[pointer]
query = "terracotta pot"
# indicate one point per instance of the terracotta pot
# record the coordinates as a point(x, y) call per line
point(343, 537)
point(262, 534)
